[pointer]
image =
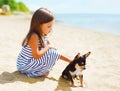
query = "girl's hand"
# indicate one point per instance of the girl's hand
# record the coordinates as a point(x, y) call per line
point(51, 46)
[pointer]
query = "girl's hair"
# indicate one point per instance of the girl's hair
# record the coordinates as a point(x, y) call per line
point(40, 16)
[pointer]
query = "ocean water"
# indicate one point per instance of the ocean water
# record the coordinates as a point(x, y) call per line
point(98, 22)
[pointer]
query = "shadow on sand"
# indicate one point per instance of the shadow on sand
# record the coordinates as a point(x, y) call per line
point(7, 77)
point(63, 85)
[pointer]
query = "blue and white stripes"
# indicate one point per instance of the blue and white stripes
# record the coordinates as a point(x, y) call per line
point(36, 67)
point(30, 66)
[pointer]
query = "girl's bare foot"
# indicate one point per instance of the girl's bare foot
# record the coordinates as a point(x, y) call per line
point(45, 75)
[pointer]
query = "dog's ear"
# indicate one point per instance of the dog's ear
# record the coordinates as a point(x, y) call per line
point(87, 54)
point(77, 56)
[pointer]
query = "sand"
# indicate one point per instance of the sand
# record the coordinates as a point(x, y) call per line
point(103, 65)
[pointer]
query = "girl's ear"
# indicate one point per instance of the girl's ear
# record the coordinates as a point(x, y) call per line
point(77, 56)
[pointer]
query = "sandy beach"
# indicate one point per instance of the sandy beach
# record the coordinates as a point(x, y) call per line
point(103, 65)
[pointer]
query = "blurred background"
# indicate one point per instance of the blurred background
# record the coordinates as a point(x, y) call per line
point(96, 15)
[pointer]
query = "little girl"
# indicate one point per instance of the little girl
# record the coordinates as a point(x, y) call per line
point(38, 56)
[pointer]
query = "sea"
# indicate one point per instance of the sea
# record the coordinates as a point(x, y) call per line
point(109, 23)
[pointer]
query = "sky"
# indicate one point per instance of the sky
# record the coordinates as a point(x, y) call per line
point(76, 6)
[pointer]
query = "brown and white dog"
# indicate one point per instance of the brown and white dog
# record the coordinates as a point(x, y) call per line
point(75, 68)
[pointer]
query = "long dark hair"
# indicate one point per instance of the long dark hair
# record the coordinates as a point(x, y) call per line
point(40, 16)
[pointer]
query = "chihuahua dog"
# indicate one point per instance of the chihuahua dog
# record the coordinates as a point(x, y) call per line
point(74, 69)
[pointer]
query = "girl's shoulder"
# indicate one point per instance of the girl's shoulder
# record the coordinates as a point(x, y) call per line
point(34, 35)
point(33, 39)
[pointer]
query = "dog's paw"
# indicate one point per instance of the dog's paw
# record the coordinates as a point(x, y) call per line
point(81, 85)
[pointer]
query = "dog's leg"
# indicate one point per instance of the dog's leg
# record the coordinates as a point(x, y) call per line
point(71, 78)
point(71, 82)
point(81, 80)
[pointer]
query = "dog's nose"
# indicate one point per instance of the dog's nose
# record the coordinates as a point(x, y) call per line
point(84, 68)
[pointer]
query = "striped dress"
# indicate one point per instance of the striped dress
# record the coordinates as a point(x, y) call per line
point(32, 67)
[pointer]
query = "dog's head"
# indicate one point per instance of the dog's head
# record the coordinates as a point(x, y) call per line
point(81, 60)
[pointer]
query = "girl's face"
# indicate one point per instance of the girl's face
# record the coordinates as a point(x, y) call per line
point(46, 27)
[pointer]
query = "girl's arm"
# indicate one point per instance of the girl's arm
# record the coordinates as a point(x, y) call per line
point(33, 43)
point(65, 59)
